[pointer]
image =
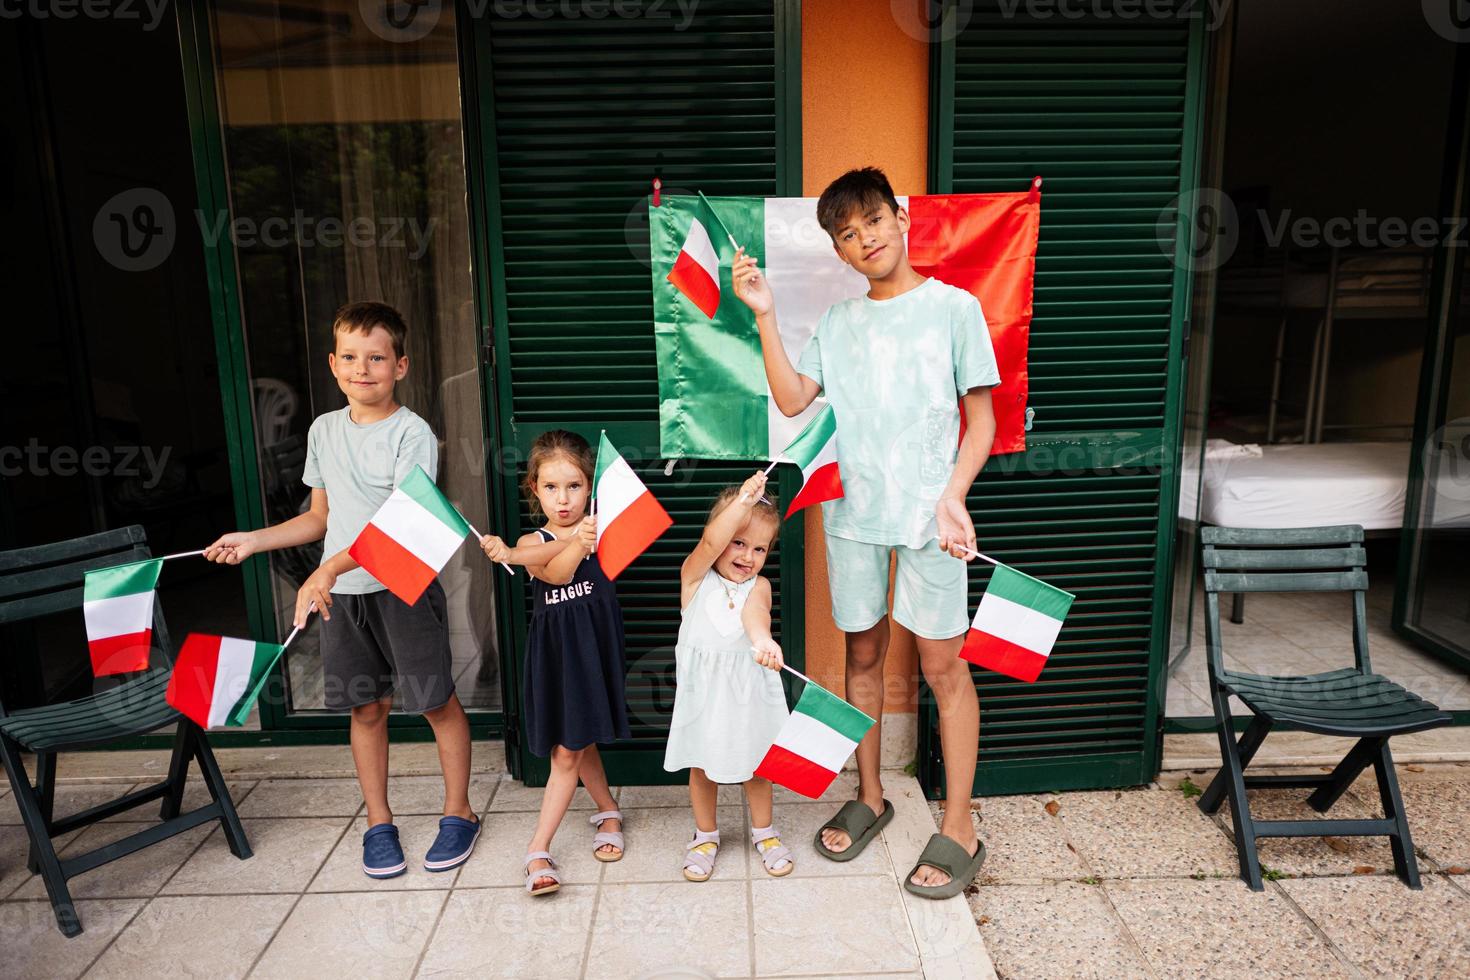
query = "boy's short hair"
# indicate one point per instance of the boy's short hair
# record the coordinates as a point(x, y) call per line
point(859, 190)
point(768, 511)
point(363, 316)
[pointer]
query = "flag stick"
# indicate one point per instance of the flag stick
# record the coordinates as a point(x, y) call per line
point(972, 551)
point(183, 554)
point(309, 610)
point(798, 673)
point(481, 537)
point(774, 464)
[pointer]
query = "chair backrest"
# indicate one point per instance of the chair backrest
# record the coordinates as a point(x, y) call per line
point(48, 578)
point(1302, 559)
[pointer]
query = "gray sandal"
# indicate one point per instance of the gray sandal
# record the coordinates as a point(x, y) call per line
point(534, 876)
point(773, 855)
point(858, 821)
point(700, 865)
point(613, 838)
point(945, 855)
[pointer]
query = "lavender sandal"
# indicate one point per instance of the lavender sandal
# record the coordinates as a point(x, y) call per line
point(699, 859)
point(534, 876)
point(611, 837)
point(772, 856)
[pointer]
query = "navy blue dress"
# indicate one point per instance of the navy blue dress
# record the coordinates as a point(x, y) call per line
point(575, 662)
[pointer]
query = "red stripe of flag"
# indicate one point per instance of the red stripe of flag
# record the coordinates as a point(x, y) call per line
point(630, 533)
point(121, 654)
point(401, 571)
point(797, 773)
point(1002, 656)
point(191, 685)
point(985, 244)
point(693, 281)
point(825, 483)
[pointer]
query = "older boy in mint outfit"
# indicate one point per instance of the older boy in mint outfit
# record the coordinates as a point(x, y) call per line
point(894, 364)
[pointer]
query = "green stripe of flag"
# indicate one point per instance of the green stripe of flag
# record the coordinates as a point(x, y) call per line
point(1033, 593)
point(121, 580)
point(418, 486)
point(607, 455)
point(809, 442)
point(713, 400)
point(266, 655)
point(832, 711)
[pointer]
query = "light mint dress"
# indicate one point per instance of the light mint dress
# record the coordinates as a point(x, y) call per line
point(727, 708)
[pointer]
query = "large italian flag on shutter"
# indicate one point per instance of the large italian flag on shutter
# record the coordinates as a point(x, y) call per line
point(411, 537)
point(815, 743)
point(629, 519)
point(217, 679)
point(713, 399)
point(1016, 625)
point(117, 607)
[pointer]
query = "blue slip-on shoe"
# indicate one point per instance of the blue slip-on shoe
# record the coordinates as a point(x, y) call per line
point(382, 855)
point(453, 846)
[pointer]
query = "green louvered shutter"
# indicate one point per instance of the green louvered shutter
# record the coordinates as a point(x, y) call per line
point(578, 115)
point(1103, 108)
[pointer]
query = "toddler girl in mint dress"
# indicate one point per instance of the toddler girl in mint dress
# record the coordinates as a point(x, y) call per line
point(728, 701)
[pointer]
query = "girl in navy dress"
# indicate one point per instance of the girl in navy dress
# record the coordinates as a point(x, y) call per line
point(575, 664)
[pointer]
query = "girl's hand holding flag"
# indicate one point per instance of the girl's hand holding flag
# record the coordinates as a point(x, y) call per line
point(495, 549)
point(587, 534)
point(232, 548)
point(767, 652)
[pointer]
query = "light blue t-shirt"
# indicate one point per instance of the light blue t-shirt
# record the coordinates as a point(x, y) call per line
point(893, 371)
point(358, 466)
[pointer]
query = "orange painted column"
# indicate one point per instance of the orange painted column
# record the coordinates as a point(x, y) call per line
point(864, 102)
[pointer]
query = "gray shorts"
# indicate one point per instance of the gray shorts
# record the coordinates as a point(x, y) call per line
point(376, 645)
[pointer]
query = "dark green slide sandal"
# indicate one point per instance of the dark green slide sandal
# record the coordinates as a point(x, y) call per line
point(953, 860)
point(857, 820)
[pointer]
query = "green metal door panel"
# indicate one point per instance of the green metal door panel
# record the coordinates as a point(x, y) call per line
point(575, 117)
point(1104, 109)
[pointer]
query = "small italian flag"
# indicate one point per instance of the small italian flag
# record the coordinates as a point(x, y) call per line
point(815, 451)
point(814, 744)
point(217, 679)
point(411, 537)
point(629, 519)
point(1016, 625)
point(117, 606)
point(696, 271)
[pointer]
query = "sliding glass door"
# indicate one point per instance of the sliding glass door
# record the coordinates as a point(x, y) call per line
point(1432, 606)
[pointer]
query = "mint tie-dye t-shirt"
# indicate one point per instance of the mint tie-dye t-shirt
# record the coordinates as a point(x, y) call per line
point(893, 371)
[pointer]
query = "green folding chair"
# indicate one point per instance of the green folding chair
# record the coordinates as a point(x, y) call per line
point(1352, 702)
point(48, 579)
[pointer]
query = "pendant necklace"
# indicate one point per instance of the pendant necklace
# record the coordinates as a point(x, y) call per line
point(728, 594)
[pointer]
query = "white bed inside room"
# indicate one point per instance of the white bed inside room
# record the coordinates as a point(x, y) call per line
point(1319, 326)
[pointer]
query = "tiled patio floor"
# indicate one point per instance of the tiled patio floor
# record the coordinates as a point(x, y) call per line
point(1140, 883)
point(302, 907)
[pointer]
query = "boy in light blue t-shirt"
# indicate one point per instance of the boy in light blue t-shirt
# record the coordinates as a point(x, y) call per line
point(894, 364)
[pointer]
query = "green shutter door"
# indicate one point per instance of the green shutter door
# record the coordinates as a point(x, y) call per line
point(576, 116)
point(1103, 108)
